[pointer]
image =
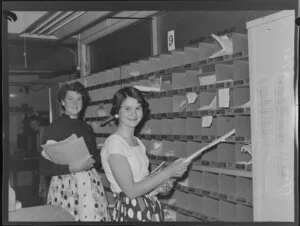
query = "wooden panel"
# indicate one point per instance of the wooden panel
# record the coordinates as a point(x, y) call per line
point(271, 63)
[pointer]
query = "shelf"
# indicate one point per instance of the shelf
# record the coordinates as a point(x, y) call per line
point(197, 138)
point(183, 91)
point(184, 67)
point(190, 114)
point(215, 195)
point(234, 169)
point(189, 213)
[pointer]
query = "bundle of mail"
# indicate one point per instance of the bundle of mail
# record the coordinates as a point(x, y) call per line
point(66, 152)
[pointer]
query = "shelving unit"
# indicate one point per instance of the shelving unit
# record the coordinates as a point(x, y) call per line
point(178, 130)
point(219, 185)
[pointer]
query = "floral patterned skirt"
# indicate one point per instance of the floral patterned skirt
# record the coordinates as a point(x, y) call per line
point(144, 208)
point(81, 194)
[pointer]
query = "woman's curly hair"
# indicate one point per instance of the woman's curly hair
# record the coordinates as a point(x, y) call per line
point(76, 87)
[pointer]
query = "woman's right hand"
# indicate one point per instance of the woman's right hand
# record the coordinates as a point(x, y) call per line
point(177, 168)
point(86, 164)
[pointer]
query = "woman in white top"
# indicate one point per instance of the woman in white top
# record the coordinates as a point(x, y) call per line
point(126, 165)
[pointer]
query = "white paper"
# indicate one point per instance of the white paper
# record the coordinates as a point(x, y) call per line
point(147, 88)
point(248, 104)
point(207, 121)
point(212, 105)
point(223, 81)
point(207, 80)
point(170, 153)
point(211, 144)
point(226, 45)
point(101, 111)
point(52, 143)
point(223, 95)
point(184, 182)
point(46, 156)
point(191, 97)
point(134, 73)
point(67, 153)
point(95, 125)
point(157, 148)
point(182, 105)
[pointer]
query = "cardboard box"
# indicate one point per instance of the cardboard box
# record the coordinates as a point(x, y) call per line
point(240, 70)
point(195, 203)
point(210, 207)
point(244, 213)
point(227, 184)
point(243, 126)
point(210, 181)
point(227, 211)
point(224, 124)
point(226, 152)
point(195, 179)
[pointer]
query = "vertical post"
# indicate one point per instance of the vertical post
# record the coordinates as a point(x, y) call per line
point(154, 36)
point(5, 119)
point(50, 106)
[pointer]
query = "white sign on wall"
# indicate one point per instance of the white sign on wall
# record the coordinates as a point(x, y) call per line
point(171, 40)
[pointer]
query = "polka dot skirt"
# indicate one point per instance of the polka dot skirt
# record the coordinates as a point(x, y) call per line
point(144, 208)
point(81, 194)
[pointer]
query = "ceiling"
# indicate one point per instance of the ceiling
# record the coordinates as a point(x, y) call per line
point(43, 44)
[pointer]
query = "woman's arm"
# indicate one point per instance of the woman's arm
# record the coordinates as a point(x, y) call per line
point(124, 177)
point(49, 168)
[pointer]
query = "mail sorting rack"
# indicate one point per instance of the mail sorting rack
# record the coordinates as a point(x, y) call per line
point(219, 185)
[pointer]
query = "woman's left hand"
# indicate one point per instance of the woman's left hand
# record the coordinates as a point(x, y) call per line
point(167, 186)
point(86, 164)
point(164, 188)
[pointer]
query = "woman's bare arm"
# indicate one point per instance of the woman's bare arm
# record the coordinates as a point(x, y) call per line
point(124, 177)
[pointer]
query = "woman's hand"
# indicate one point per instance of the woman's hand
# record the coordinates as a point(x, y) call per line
point(84, 165)
point(166, 187)
point(177, 168)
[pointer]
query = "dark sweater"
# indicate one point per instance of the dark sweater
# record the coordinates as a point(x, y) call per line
point(62, 128)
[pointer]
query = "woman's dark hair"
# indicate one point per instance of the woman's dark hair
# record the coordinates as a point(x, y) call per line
point(132, 92)
point(76, 87)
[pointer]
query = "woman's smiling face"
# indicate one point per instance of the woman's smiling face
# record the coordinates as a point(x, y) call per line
point(130, 113)
point(72, 103)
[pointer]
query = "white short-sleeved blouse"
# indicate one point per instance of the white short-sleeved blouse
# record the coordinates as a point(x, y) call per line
point(136, 156)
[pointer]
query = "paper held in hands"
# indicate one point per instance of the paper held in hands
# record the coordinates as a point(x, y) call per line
point(169, 183)
point(200, 151)
point(67, 152)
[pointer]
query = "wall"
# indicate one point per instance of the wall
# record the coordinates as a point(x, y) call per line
point(189, 25)
point(126, 45)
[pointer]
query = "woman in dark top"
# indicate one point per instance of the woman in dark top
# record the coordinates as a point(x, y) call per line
point(77, 188)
